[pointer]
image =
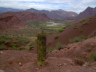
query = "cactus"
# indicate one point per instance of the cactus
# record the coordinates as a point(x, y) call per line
point(41, 48)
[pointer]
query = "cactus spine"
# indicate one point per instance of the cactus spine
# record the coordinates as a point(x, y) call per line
point(41, 48)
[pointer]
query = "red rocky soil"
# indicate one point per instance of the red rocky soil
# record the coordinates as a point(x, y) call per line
point(64, 60)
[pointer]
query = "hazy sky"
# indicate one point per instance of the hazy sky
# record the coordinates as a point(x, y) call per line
point(67, 5)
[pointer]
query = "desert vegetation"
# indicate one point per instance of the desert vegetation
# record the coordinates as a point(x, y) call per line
point(77, 39)
point(56, 36)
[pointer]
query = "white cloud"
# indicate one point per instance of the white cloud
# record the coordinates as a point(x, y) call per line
point(69, 5)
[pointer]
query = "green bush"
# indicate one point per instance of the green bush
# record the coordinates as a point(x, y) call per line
point(35, 40)
point(89, 20)
point(26, 41)
point(83, 20)
point(1, 41)
point(49, 49)
point(59, 46)
point(60, 30)
point(77, 39)
point(17, 41)
point(56, 36)
point(2, 47)
point(14, 46)
point(7, 42)
point(81, 31)
point(31, 43)
point(50, 33)
point(82, 25)
point(93, 56)
point(85, 23)
point(80, 21)
point(75, 27)
point(22, 47)
point(90, 17)
point(31, 47)
point(80, 58)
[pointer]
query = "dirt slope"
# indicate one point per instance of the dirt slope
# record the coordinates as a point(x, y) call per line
point(69, 32)
point(64, 60)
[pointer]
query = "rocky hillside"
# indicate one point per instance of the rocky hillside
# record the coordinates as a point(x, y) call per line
point(10, 21)
point(87, 12)
point(29, 16)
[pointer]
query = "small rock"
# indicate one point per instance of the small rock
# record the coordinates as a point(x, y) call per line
point(86, 64)
point(20, 64)
point(37, 68)
point(60, 65)
point(94, 68)
point(65, 64)
point(1, 51)
point(2, 71)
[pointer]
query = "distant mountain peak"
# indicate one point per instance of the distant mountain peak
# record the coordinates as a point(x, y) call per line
point(88, 8)
point(60, 10)
point(89, 11)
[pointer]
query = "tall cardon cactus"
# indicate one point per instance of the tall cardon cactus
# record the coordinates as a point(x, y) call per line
point(41, 48)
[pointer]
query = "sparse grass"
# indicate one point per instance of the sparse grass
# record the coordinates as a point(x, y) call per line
point(90, 17)
point(56, 36)
point(16, 41)
point(32, 44)
point(7, 42)
point(49, 49)
point(80, 21)
point(59, 46)
point(80, 58)
point(93, 56)
point(81, 31)
point(83, 20)
point(89, 20)
point(26, 41)
point(22, 47)
point(50, 33)
point(77, 39)
point(65, 26)
point(2, 47)
point(13, 45)
point(84, 24)
point(1, 41)
point(75, 27)
point(31, 47)
point(60, 30)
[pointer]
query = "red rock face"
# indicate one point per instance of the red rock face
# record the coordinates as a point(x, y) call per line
point(17, 19)
point(87, 12)
point(30, 16)
point(9, 20)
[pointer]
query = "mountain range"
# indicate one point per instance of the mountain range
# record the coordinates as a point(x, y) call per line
point(56, 14)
